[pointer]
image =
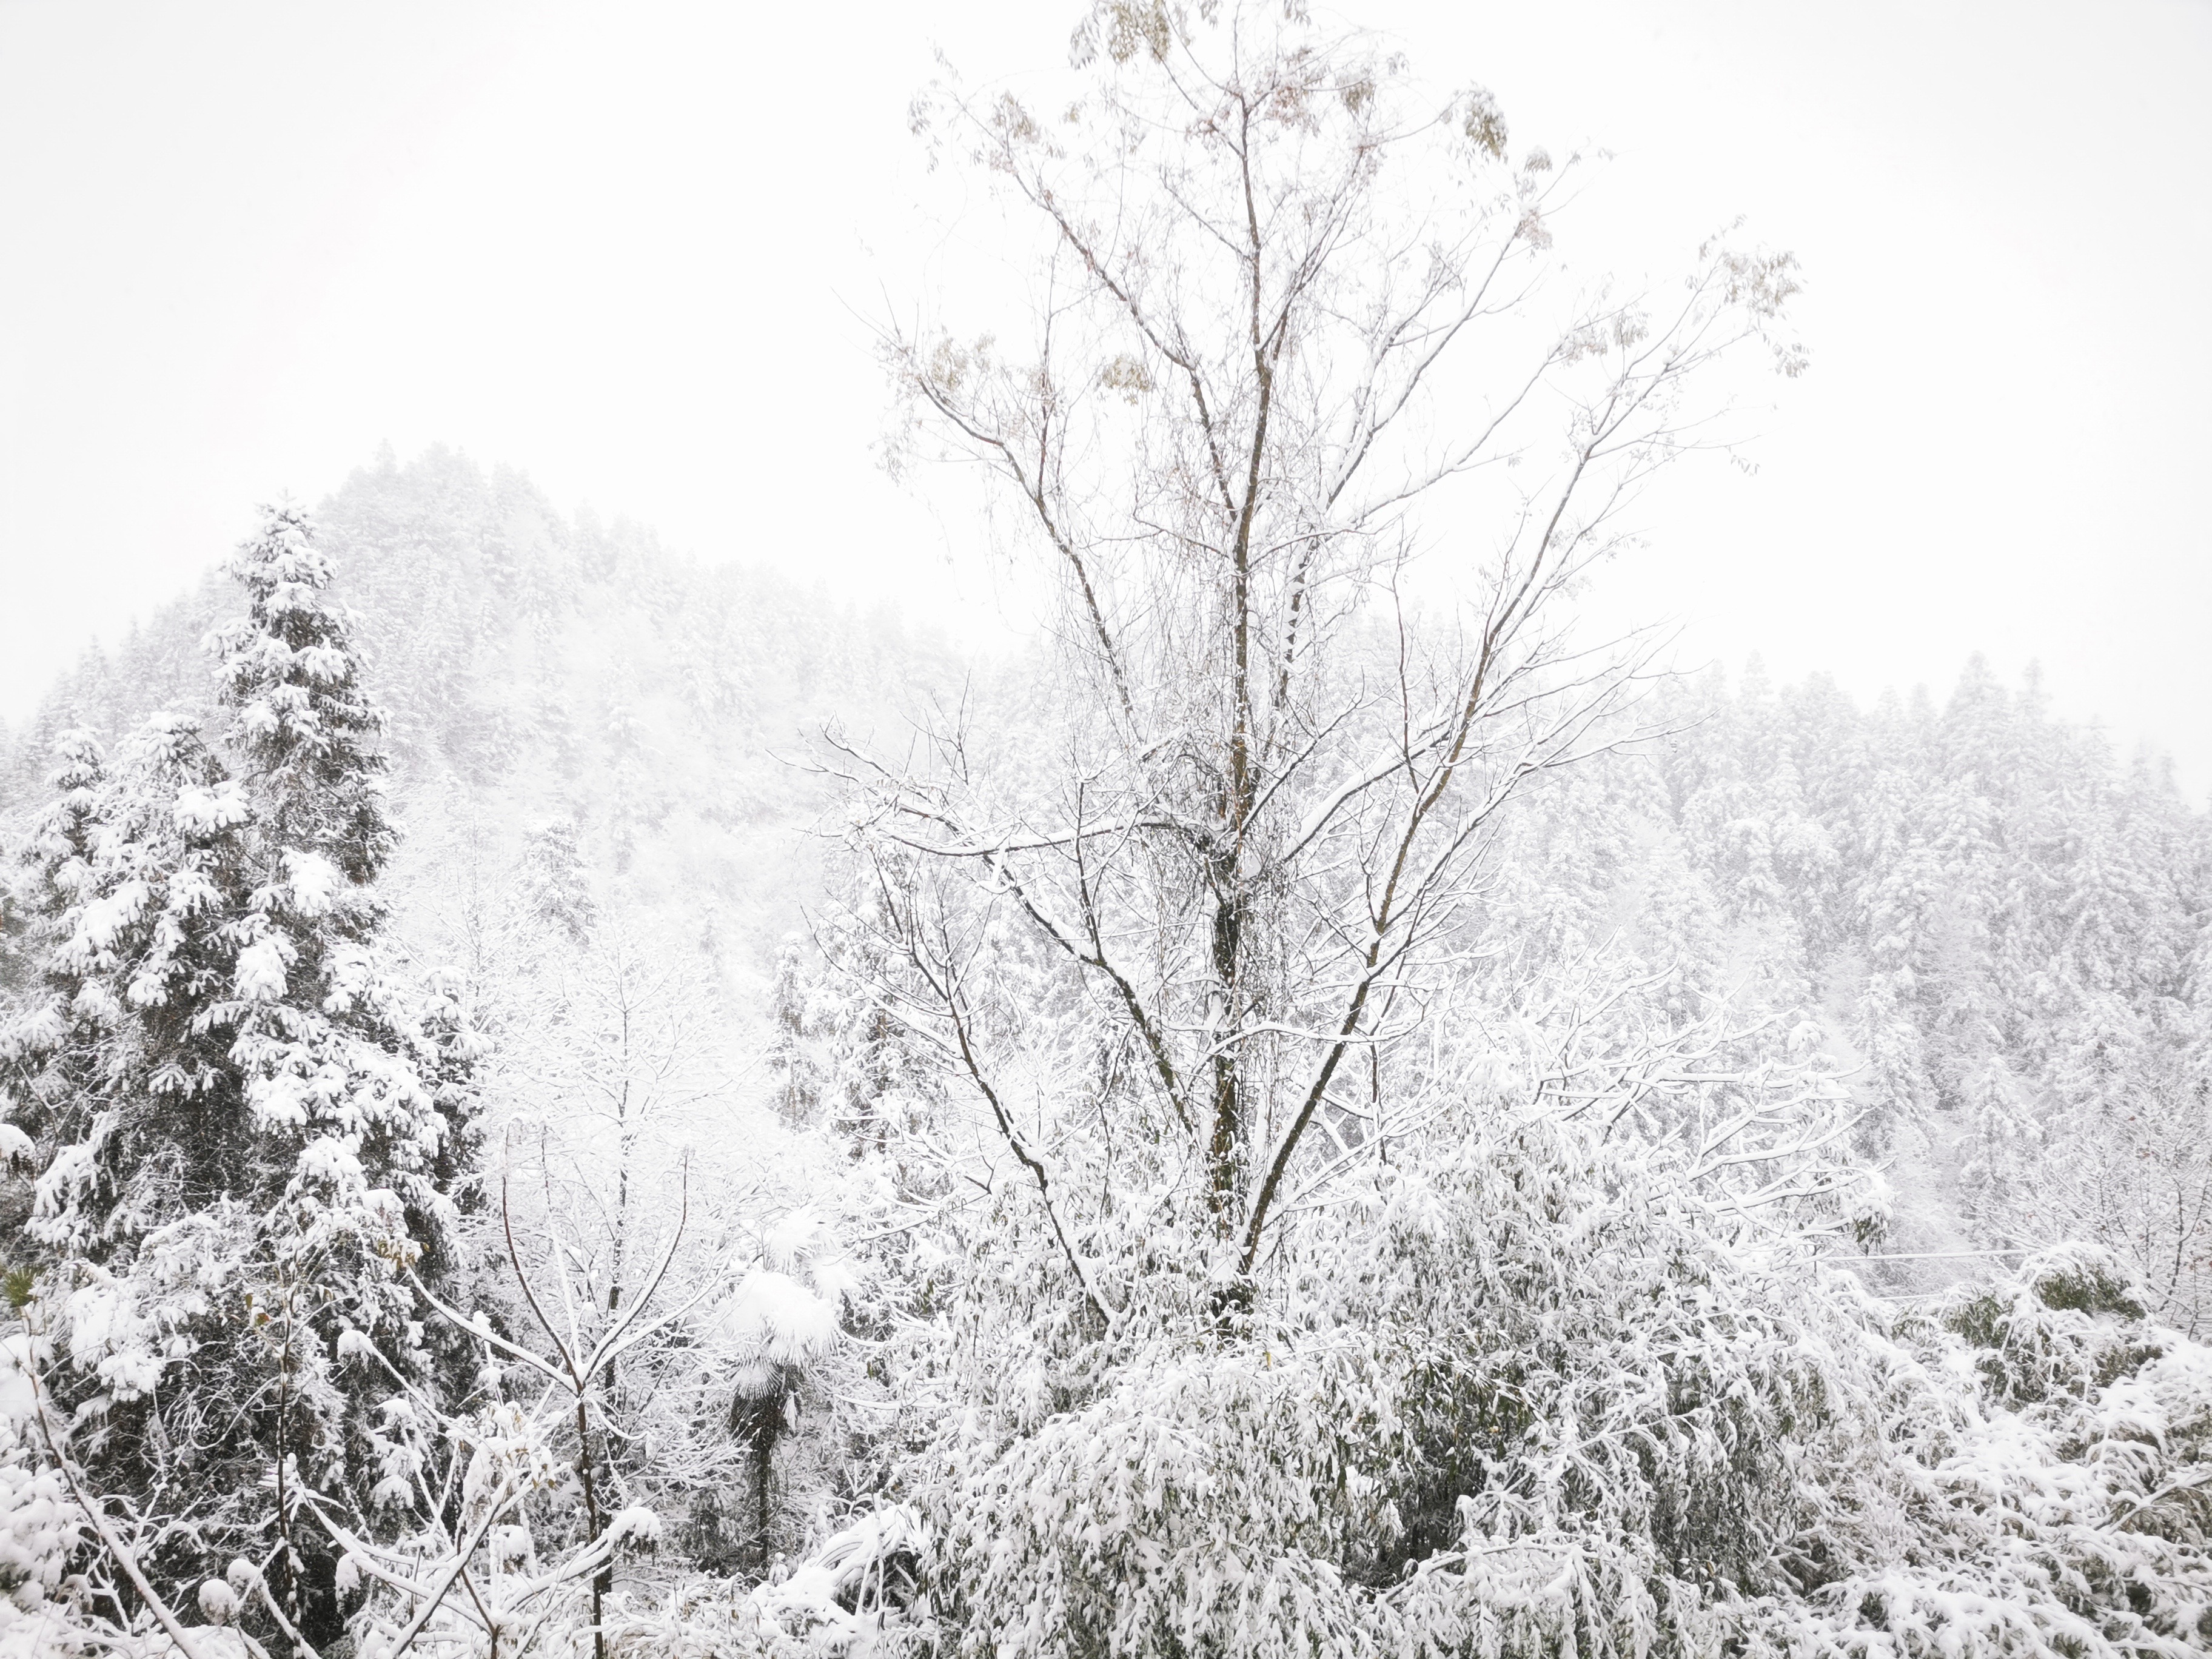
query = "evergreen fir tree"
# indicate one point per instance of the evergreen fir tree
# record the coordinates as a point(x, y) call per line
point(251, 1131)
point(557, 883)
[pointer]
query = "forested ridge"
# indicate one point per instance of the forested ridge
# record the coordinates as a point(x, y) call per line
point(535, 670)
point(558, 1098)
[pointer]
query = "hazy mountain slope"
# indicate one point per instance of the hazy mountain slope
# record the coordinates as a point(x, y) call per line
point(539, 667)
point(1999, 925)
point(2007, 923)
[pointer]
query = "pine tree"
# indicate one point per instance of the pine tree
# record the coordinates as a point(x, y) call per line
point(250, 1131)
point(557, 882)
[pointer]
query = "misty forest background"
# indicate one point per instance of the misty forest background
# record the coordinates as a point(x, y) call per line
point(1993, 920)
point(562, 1098)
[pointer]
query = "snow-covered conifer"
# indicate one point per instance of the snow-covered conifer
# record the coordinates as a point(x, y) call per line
point(252, 1130)
point(557, 883)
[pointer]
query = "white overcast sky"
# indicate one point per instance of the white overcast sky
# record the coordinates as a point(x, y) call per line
point(628, 248)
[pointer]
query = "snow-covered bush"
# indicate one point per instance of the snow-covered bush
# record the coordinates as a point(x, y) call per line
point(41, 1528)
point(1528, 1397)
point(1514, 1366)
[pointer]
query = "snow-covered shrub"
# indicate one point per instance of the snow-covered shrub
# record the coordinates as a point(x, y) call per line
point(1519, 1366)
point(40, 1525)
point(1529, 1397)
point(2056, 1451)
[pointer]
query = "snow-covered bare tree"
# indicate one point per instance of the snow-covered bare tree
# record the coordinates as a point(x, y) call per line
point(1288, 306)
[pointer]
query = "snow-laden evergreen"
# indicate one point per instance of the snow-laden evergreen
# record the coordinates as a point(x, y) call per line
point(247, 1133)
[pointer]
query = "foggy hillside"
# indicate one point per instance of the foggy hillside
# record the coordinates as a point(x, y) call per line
point(557, 1100)
point(1997, 924)
point(539, 670)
